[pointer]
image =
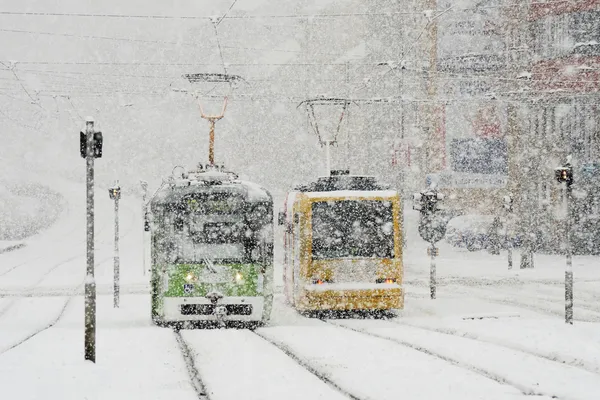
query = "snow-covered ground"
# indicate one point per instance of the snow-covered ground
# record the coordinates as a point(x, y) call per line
point(492, 333)
point(25, 210)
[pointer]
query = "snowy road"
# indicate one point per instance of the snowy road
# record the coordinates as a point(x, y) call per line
point(491, 334)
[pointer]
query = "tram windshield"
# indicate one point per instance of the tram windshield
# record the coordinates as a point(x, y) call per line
point(352, 228)
point(221, 228)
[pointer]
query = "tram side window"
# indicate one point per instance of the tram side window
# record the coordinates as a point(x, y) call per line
point(178, 223)
point(352, 228)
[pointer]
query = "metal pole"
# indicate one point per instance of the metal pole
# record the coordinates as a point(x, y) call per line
point(509, 240)
point(90, 283)
point(433, 145)
point(145, 189)
point(348, 115)
point(569, 269)
point(432, 273)
point(328, 158)
point(117, 272)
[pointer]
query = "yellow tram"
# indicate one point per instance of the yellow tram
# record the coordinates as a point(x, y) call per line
point(343, 245)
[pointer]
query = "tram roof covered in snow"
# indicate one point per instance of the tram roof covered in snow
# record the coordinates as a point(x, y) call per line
point(343, 181)
point(353, 194)
point(209, 182)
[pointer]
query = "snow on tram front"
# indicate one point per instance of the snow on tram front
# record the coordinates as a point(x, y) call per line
point(343, 245)
point(212, 250)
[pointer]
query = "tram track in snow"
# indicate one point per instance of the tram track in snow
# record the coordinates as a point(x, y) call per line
point(580, 364)
point(527, 391)
point(15, 299)
point(308, 367)
point(101, 289)
point(190, 364)
point(102, 228)
point(36, 283)
point(26, 293)
point(72, 292)
point(553, 308)
point(554, 298)
point(495, 295)
point(51, 324)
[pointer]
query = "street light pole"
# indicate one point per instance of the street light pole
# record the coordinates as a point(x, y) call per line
point(115, 194)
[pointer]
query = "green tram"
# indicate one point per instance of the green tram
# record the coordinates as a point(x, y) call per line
point(211, 251)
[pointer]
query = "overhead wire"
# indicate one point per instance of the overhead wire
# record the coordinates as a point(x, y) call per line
point(280, 65)
point(414, 43)
point(227, 12)
point(145, 41)
point(11, 67)
point(274, 16)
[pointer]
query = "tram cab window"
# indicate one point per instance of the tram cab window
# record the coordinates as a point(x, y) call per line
point(352, 228)
point(222, 229)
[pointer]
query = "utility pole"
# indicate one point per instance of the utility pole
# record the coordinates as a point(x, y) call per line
point(518, 48)
point(402, 172)
point(115, 194)
point(349, 134)
point(508, 207)
point(90, 145)
point(433, 146)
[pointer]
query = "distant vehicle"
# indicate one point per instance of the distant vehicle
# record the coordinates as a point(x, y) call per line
point(343, 246)
point(473, 232)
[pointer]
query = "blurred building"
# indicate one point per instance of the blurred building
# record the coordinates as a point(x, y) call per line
point(562, 111)
point(491, 97)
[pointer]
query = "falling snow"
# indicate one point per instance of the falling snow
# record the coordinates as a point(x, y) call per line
point(390, 213)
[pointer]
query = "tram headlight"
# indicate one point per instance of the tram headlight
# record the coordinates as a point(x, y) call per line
point(190, 277)
point(317, 281)
point(239, 277)
point(386, 280)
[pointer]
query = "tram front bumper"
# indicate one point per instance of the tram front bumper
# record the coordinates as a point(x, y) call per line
point(347, 297)
point(202, 309)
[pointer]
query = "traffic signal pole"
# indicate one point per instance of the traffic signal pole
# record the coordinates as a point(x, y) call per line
point(433, 273)
point(432, 228)
point(90, 282)
point(569, 267)
point(564, 175)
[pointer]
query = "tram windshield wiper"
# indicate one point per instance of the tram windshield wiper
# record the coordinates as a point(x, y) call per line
point(209, 265)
